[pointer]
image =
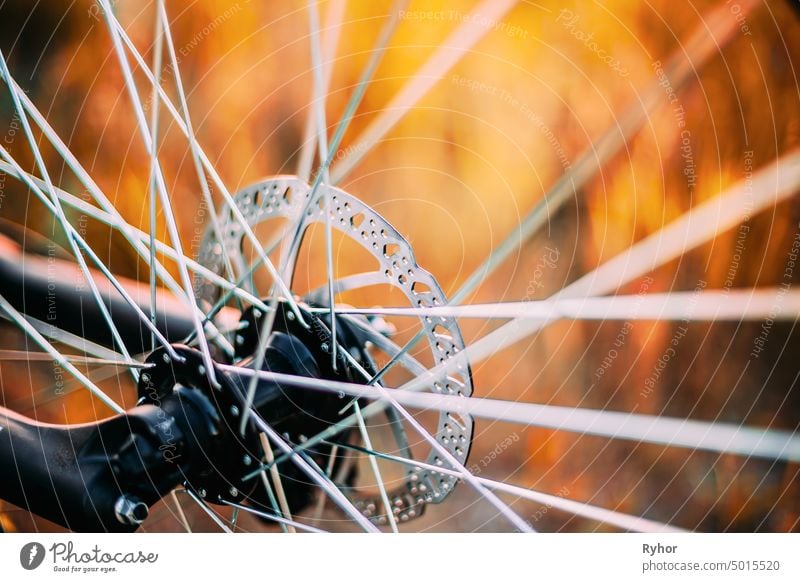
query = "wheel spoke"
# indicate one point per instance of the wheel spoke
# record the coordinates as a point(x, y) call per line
point(322, 141)
point(269, 457)
point(208, 511)
point(676, 432)
point(726, 305)
point(161, 187)
point(151, 193)
point(362, 428)
point(192, 138)
point(333, 27)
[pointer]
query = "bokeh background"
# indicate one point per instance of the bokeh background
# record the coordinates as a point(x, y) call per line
point(455, 176)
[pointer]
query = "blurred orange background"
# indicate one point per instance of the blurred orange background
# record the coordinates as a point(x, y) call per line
point(458, 173)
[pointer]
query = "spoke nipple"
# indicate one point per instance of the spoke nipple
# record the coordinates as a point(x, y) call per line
point(130, 510)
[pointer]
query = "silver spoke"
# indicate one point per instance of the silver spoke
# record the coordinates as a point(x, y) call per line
point(693, 434)
point(333, 27)
point(58, 213)
point(475, 26)
point(123, 227)
point(76, 241)
point(139, 237)
point(192, 138)
point(269, 457)
point(322, 140)
point(362, 428)
point(151, 193)
point(730, 305)
point(26, 355)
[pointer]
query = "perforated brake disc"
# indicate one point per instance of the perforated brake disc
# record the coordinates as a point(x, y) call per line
point(287, 197)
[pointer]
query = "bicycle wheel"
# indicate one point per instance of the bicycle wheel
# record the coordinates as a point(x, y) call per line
point(544, 259)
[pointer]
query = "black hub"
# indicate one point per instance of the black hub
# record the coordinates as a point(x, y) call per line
point(218, 459)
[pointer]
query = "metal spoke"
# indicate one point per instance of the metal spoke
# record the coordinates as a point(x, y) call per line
point(26, 355)
point(350, 109)
point(192, 138)
point(58, 212)
point(694, 434)
point(714, 305)
point(768, 187)
point(322, 141)
point(269, 457)
point(151, 194)
point(333, 27)
point(680, 68)
point(362, 427)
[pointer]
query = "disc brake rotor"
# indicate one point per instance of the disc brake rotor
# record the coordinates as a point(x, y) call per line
point(287, 197)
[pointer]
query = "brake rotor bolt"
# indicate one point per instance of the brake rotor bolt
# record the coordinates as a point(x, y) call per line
point(234, 491)
point(145, 377)
point(247, 460)
point(166, 358)
point(235, 410)
point(201, 492)
point(290, 316)
point(201, 370)
point(239, 340)
point(324, 347)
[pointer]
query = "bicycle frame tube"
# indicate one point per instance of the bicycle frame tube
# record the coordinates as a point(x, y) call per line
point(101, 476)
point(54, 291)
